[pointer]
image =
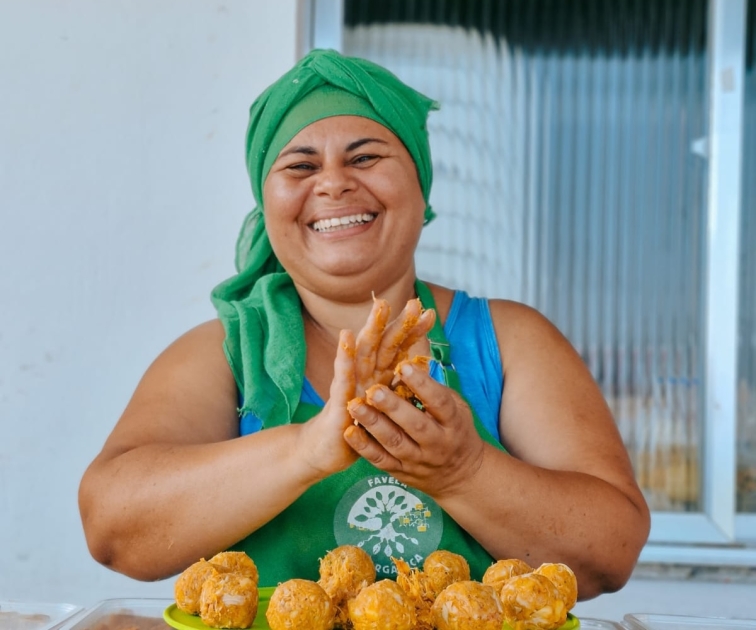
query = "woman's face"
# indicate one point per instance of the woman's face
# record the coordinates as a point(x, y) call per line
point(344, 208)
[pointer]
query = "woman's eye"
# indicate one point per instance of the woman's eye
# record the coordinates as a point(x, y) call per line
point(362, 160)
point(301, 167)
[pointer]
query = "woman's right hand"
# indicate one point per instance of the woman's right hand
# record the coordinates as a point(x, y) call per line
point(321, 438)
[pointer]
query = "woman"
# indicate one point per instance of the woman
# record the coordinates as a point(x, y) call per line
point(275, 429)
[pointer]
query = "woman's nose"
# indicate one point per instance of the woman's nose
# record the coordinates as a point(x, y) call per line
point(334, 180)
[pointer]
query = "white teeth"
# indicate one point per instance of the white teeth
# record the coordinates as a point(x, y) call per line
point(331, 225)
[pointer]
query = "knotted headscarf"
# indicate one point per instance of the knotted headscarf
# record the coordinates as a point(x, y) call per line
point(259, 307)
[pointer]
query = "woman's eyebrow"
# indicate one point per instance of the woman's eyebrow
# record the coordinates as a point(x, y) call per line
point(308, 150)
point(358, 143)
point(304, 149)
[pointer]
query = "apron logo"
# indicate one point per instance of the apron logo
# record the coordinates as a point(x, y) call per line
point(387, 518)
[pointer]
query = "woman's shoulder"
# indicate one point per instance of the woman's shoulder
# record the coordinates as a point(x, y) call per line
point(195, 354)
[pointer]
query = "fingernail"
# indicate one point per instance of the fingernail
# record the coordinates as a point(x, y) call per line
point(407, 370)
point(377, 394)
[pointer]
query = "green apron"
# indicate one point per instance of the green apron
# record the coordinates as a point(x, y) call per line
point(365, 507)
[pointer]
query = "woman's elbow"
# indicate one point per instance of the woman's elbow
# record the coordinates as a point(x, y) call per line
point(107, 541)
point(618, 561)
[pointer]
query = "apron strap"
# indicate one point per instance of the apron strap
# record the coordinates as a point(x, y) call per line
point(441, 351)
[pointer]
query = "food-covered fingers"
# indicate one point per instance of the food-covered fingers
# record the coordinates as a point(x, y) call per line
point(321, 443)
point(396, 334)
point(421, 328)
point(400, 389)
point(369, 341)
point(443, 403)
point(344, 379)
point(375, 437)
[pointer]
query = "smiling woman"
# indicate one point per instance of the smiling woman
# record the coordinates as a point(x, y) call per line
point(292, 424)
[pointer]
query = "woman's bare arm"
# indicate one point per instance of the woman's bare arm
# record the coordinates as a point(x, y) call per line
point(174, 482)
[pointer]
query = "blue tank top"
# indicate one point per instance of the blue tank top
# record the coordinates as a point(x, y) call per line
point(475, 357)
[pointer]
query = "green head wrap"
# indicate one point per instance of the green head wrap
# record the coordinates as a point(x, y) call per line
point(259, 307)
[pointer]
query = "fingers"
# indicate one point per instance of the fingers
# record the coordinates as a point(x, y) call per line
point(344, 382)
point(376, 437)
point(399, 427)
point(421, 328)
point(411, 326)
point(438, 400)
point(397, 332)
point(368, 448)
point(369, 340)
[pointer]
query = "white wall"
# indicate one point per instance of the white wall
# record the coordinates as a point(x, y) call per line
point(122, 186)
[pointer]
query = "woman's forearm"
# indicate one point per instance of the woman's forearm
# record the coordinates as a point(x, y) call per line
point(516, 510)
point(155, 509)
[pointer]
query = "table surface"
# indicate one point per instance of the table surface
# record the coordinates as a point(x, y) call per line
point(674, 597)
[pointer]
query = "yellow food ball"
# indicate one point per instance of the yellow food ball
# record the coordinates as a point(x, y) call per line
point(229, 600)
point(344, 572)
point(564, 579)
point(382, 606)
point(237, 561)
point(188, 586)
point(500, 571)
point(532, 602)
point(467, 605)
point(300, 605)
point(444, 568)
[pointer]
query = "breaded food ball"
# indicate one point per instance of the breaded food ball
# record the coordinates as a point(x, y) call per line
point(532, 602)
point(382, 606)
point(444, 568)
point(229, 600)
point(188, 586)
point(237, 561)
point(500, 571)
point(300, 605)
point(344, 572)
point(564, 579)
point(468, 605)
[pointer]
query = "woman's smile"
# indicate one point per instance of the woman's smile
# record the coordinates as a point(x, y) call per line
point(341, 223)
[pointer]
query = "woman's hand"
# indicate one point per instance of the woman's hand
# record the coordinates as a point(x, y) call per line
point(436, 450)
point(321, 438)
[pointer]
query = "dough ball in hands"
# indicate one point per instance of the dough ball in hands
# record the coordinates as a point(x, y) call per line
point(229, 600)
point(501, 570)
point(237, 561)
point(468, 605)
point(532, 602)
point(300, 605)
point(188, 586)
point(344, 572)
point(418, 362)
point(382, 606)
point(444, 568)
point(564, 579)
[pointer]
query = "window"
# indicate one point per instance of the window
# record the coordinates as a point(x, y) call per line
point(588, 160)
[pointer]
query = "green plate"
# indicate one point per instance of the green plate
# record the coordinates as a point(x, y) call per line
point(184, 621)
point(572, 623)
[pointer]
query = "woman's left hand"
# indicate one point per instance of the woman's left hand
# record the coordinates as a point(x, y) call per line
point(435, 450)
